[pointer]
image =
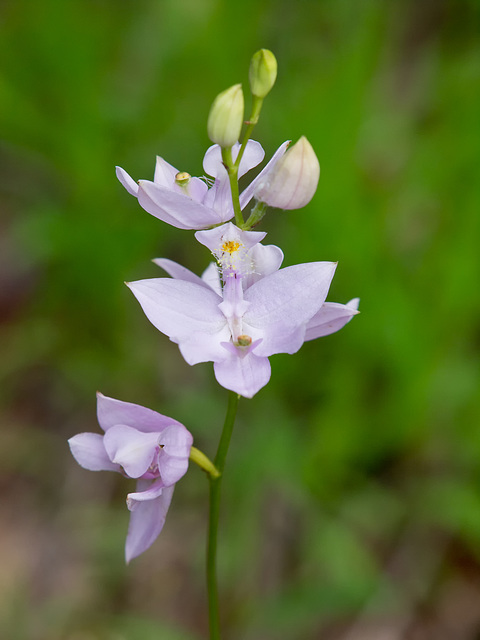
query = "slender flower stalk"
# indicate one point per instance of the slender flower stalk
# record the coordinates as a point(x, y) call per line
point(215, 491)
point(262, 76)
point(251, 122)
point(232, 170)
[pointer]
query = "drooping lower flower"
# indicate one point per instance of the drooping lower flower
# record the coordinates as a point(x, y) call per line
point(141, 444)
point(238, 327)
point(188, 203)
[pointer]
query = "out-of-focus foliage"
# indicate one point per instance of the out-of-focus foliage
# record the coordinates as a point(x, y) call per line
point(352, 493)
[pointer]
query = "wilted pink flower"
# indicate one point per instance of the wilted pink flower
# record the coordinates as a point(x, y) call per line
point(142, 444)
point(188, 203)
point(238, 326)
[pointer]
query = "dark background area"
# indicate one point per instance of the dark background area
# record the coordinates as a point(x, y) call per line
point(352, 492)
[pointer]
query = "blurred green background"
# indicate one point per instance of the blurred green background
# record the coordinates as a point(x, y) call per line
point(352, 492)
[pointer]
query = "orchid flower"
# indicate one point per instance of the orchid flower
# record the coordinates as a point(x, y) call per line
point(141, 444)
point(188, 203)
point(239, 327)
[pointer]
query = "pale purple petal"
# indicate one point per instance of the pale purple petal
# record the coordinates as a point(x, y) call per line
point(89, 451)
point(112, 412)
point(219, 197)
point(354, 303)
point(176, 441)
point(245, 375)
point(146, 522)
point(176, 208)
point(280, 339)
point(131, 449)
point(253, 155)
point(213, 239)
point(202, 347)
point(152, 491)
point(176, 270)
point(331, 317)
point(164, 173)
point(129, 183)
point(212, 161)
point(196, 189)
point(171, 468)
point(265, 260)
point(283, 302)
point(211, 277)
point(178, 308)
point(165, 176)
point(247, 193)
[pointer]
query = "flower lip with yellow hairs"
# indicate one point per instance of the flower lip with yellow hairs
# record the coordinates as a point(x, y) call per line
point(236, 325)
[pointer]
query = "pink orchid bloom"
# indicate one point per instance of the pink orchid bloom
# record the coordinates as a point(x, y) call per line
point(261, 310)
point(141, 444)
point(188, 203)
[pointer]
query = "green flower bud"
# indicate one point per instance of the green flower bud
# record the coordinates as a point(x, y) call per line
point(293, 180)
point(263, 73)
point(225, 119)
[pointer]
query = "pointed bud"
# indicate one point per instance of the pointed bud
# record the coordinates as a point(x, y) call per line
point(262, 73)
point(293, 180)
point(226, 117)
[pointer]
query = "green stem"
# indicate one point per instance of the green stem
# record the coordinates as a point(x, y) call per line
point(215, 486)
point(232, 170)
point(254, 116)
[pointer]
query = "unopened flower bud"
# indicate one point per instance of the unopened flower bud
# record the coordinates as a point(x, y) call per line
point(225, 119)
point(262, 73)
point(293, 180)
